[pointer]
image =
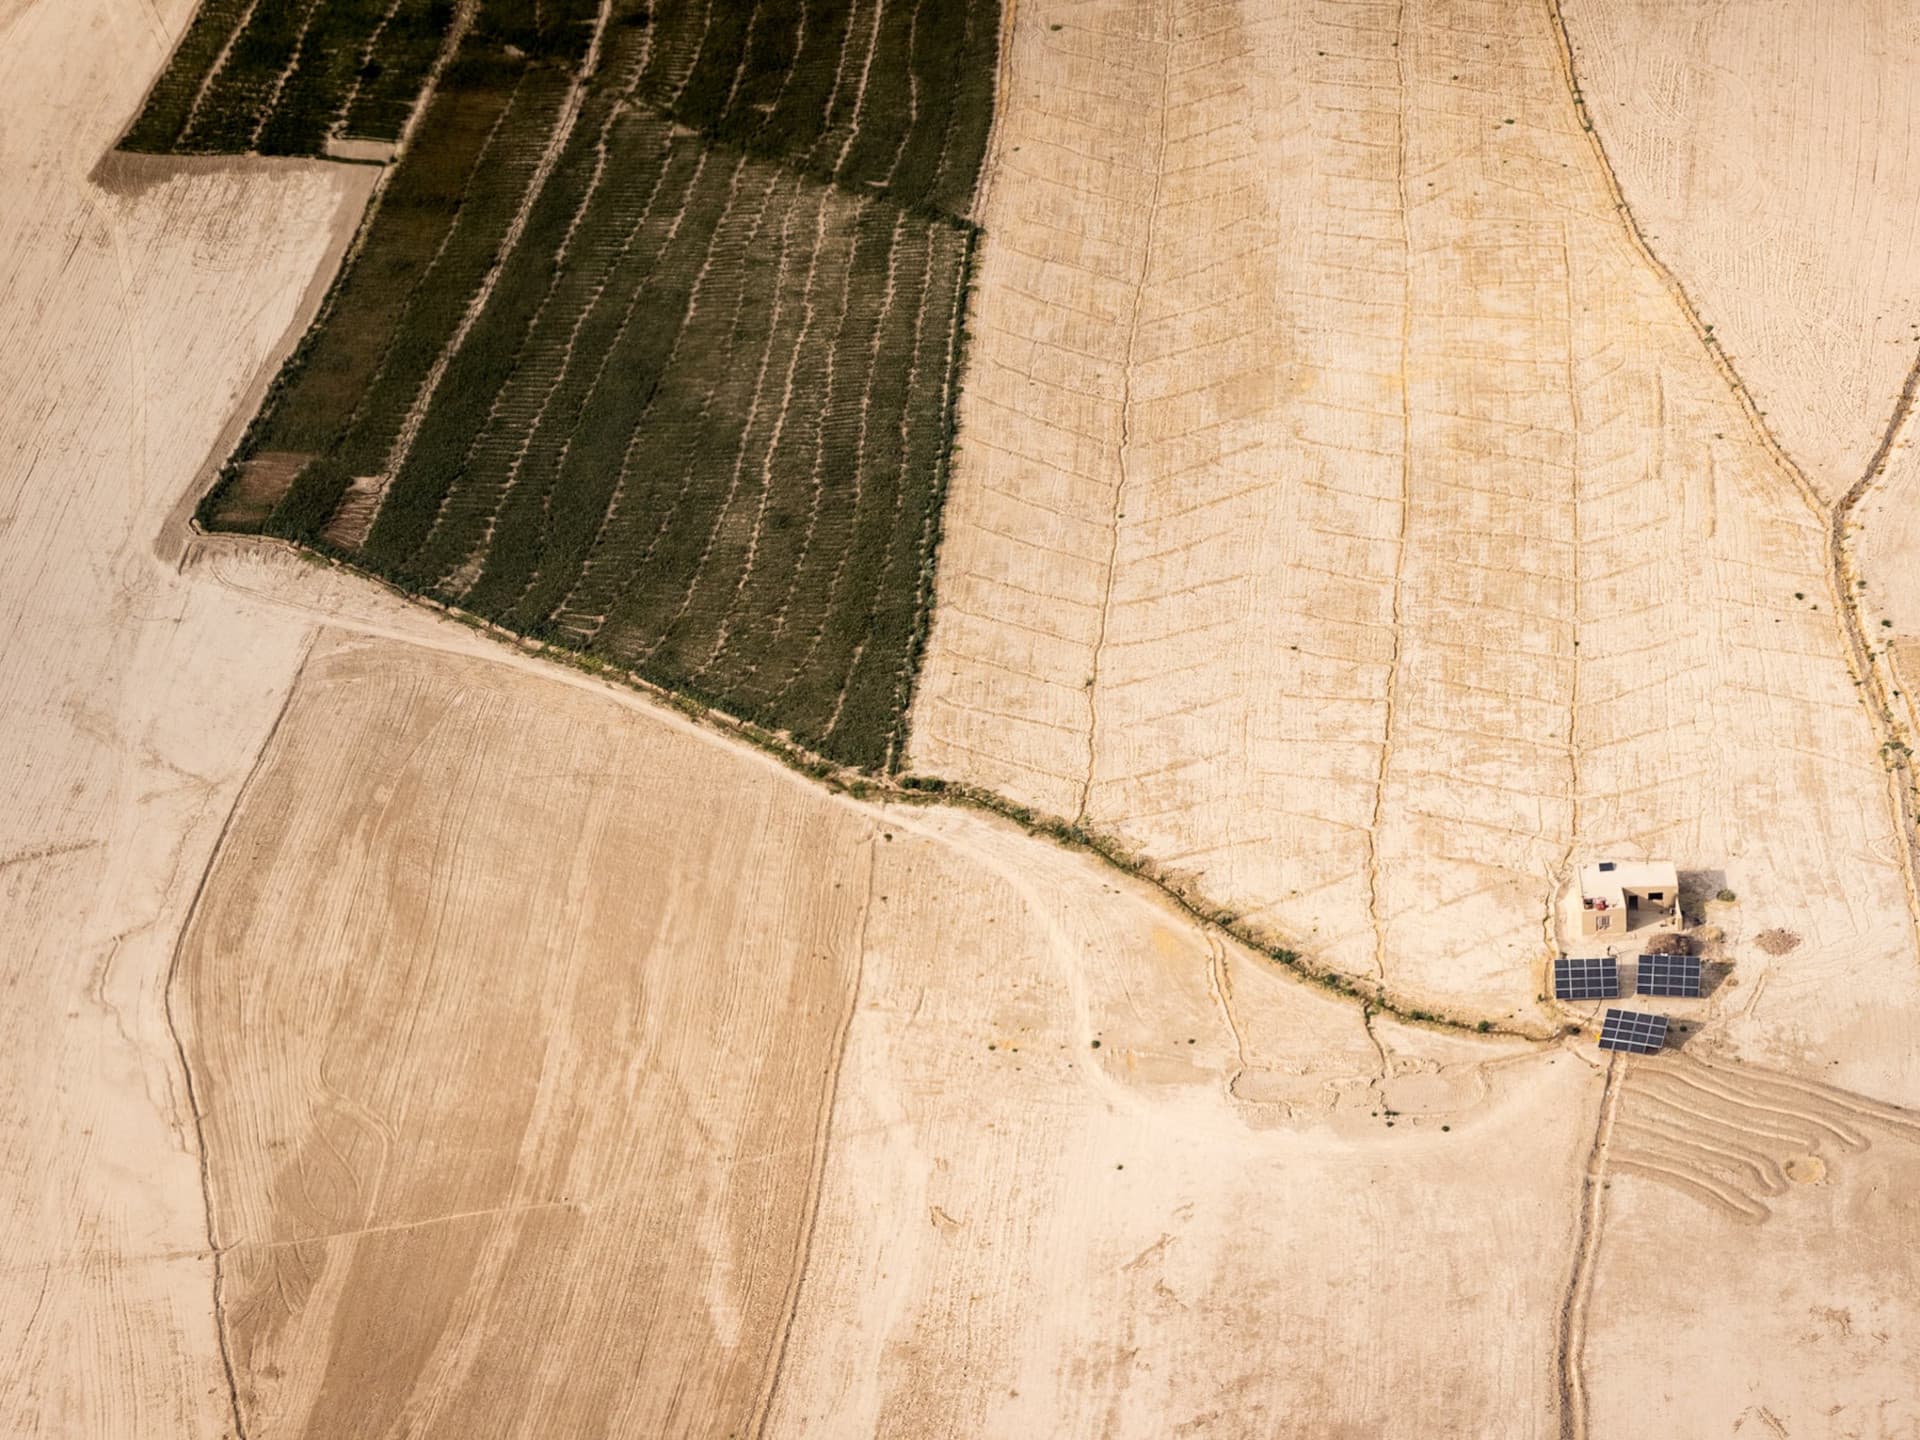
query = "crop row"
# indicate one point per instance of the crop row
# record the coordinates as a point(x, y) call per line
point(283, 76)
point(699, 425)
point(346, 396)
point(893, 96)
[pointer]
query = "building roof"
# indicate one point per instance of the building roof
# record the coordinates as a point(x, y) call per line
point(1605, 879)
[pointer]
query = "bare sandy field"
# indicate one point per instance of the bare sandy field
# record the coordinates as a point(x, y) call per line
point(133, 319)
point(510, 1082)
point(1347, 516)
point(557, 1067)
point(1757, 1274)
point(1770, 149)
point(564, 1071)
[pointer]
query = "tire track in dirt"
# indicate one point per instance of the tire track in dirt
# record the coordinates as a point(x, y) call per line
point(1127, 409)
point(823, 1137)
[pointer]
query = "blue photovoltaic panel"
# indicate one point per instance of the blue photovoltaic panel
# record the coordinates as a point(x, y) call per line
point(1597, 979)
point(1633, 1032)
point(1669, 975)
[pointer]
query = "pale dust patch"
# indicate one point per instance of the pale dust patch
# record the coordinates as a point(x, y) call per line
point(1806, 1169)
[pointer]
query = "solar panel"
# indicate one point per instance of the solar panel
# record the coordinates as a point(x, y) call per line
point(1633, 1032)
point(1669, 975)
point(1597, 979)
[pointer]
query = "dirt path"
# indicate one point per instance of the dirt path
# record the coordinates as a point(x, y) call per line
point(1569, 1355)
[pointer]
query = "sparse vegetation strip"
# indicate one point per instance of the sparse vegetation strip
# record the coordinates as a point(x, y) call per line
point(908, 789)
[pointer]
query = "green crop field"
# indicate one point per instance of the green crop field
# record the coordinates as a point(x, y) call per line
point(649, 347)
point(283, 77)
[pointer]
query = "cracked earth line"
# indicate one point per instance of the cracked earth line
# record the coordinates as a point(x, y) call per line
point(1126, 418)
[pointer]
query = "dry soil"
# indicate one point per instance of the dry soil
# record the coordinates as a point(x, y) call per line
point(557, 1067)
point(1348, 516)
point(1771, 153)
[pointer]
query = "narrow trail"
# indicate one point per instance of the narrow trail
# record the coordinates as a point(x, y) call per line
point(1220, 983)
point(1389, 719)
point(1833, 518)
point(215, 1249)
point(1564, 873)
point(1568, 1353)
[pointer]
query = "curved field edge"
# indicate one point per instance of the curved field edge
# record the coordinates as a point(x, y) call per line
point(512, 1211)
point(1877, 685)
point(917, 791)
point(651, 353)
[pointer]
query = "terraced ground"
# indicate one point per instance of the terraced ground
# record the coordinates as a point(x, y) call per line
point(649, 349)
point(1348, 515)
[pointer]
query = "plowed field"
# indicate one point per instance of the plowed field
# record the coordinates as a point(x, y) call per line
point(603, 1080)
point(285, 78)
point(649, 349)
point(404, 1035)
point(1772, 153)
point(1349, 517)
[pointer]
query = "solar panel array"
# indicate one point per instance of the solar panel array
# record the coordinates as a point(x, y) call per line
point(1586, 979)
point(1669, 975)
point(1633, 1032)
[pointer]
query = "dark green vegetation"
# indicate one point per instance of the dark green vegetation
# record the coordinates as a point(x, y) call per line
point(649, 348)
point(284, 76)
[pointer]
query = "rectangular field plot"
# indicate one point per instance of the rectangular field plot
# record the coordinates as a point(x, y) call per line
point(653, 357)
point(285, 78)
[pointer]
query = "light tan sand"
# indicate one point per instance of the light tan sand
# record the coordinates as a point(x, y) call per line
point(138, 697)
point(1886, 540)
point(1347, 516)
point(523, 1106)
point(1771, 151)
point(131, 705)
point(1757, 1273)
point(1053, 1240)
point(957, 1247)
point(521, 1128)
point(375, 151)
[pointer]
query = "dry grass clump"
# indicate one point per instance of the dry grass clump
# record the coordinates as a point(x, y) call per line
point(1668, 944)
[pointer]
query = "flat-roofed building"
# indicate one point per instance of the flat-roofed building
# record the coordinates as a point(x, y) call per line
point(1613, 897)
